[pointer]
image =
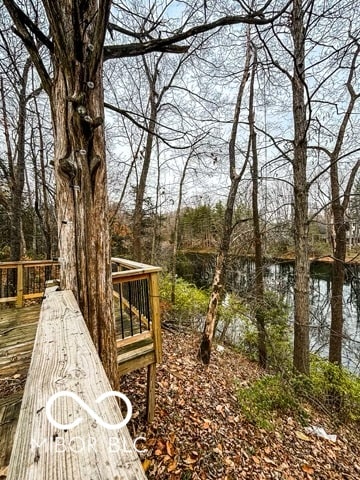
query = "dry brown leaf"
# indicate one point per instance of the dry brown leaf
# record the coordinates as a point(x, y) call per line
point(302, 436)
point(268, 460)
point(170, 449)
point(172, 466)
point(145, 464)
point(190, 461)
point(256, 459)
point(307, 469)
point(229, 462)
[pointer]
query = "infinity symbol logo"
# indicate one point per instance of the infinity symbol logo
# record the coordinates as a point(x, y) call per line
point(89, 410)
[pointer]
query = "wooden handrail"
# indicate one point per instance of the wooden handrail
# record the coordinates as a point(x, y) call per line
point(20, 267)
point(30, 263)
point(65, 360)
point(131, 265)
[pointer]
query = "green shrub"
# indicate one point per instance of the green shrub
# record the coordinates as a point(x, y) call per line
point(329, 387)
point(335, 388)
point(278, 344)
point(190, 301)
point(265, 398)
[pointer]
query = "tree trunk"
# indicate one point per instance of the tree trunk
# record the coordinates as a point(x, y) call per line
point(44, 213)
point(217, 286)
point(17, 169)
point(140, 191)
point(339, 208)
point(259, 273)
point(337, 320)
point(176, 231)
point(340, 227)
point(82, 204)
point(77, 107)
point(301, 227)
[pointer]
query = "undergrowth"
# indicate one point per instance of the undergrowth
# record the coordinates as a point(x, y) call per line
point(330, 388)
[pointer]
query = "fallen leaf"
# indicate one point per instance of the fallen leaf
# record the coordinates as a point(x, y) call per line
point(190, 461)
point(229, 462)
point(302, 436)
point(170, 449)
point(172, 466)
point(307, 469)
point(145, 464)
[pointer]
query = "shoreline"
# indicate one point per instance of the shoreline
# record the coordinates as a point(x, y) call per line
point(290, 257)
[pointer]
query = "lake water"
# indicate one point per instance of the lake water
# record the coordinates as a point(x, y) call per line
point(279, 277)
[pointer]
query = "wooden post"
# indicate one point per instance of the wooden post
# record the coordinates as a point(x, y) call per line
point(20, 286)
point(155, 314)
point(150, 392)
point(156, 334)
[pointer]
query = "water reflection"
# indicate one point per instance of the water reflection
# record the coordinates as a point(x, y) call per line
point(279, 277)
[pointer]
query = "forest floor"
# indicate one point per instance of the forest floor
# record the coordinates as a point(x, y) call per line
point(200, 432)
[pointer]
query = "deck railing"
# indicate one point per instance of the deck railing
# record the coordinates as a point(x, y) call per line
point(136, 309)
point(25, 280)
point(136, 301)
point(136, 294)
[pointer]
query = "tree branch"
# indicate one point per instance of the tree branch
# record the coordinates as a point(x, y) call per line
point(168, 44)
point(26, 21)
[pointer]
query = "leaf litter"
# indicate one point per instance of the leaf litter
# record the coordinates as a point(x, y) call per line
point(200, 433)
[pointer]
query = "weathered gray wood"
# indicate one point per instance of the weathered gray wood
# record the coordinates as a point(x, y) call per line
point(17, 334)
point(9, 412)
point(65, 359)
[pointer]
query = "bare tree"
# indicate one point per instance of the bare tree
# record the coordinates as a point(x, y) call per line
point(340, 198)
point(14, 167)
point(72, 78)
point(235, 176)
point(259, 271)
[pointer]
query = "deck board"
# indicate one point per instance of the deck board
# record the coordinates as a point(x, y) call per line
point(9, 413)
point(17, 335)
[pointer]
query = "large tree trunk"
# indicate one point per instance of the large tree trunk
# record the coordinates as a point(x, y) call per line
point(82, 204)
point(301, 227)
point(77, 107)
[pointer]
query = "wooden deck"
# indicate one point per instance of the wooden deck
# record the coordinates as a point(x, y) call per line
point(138, 330)
point(17, 335)
point(65, 360)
